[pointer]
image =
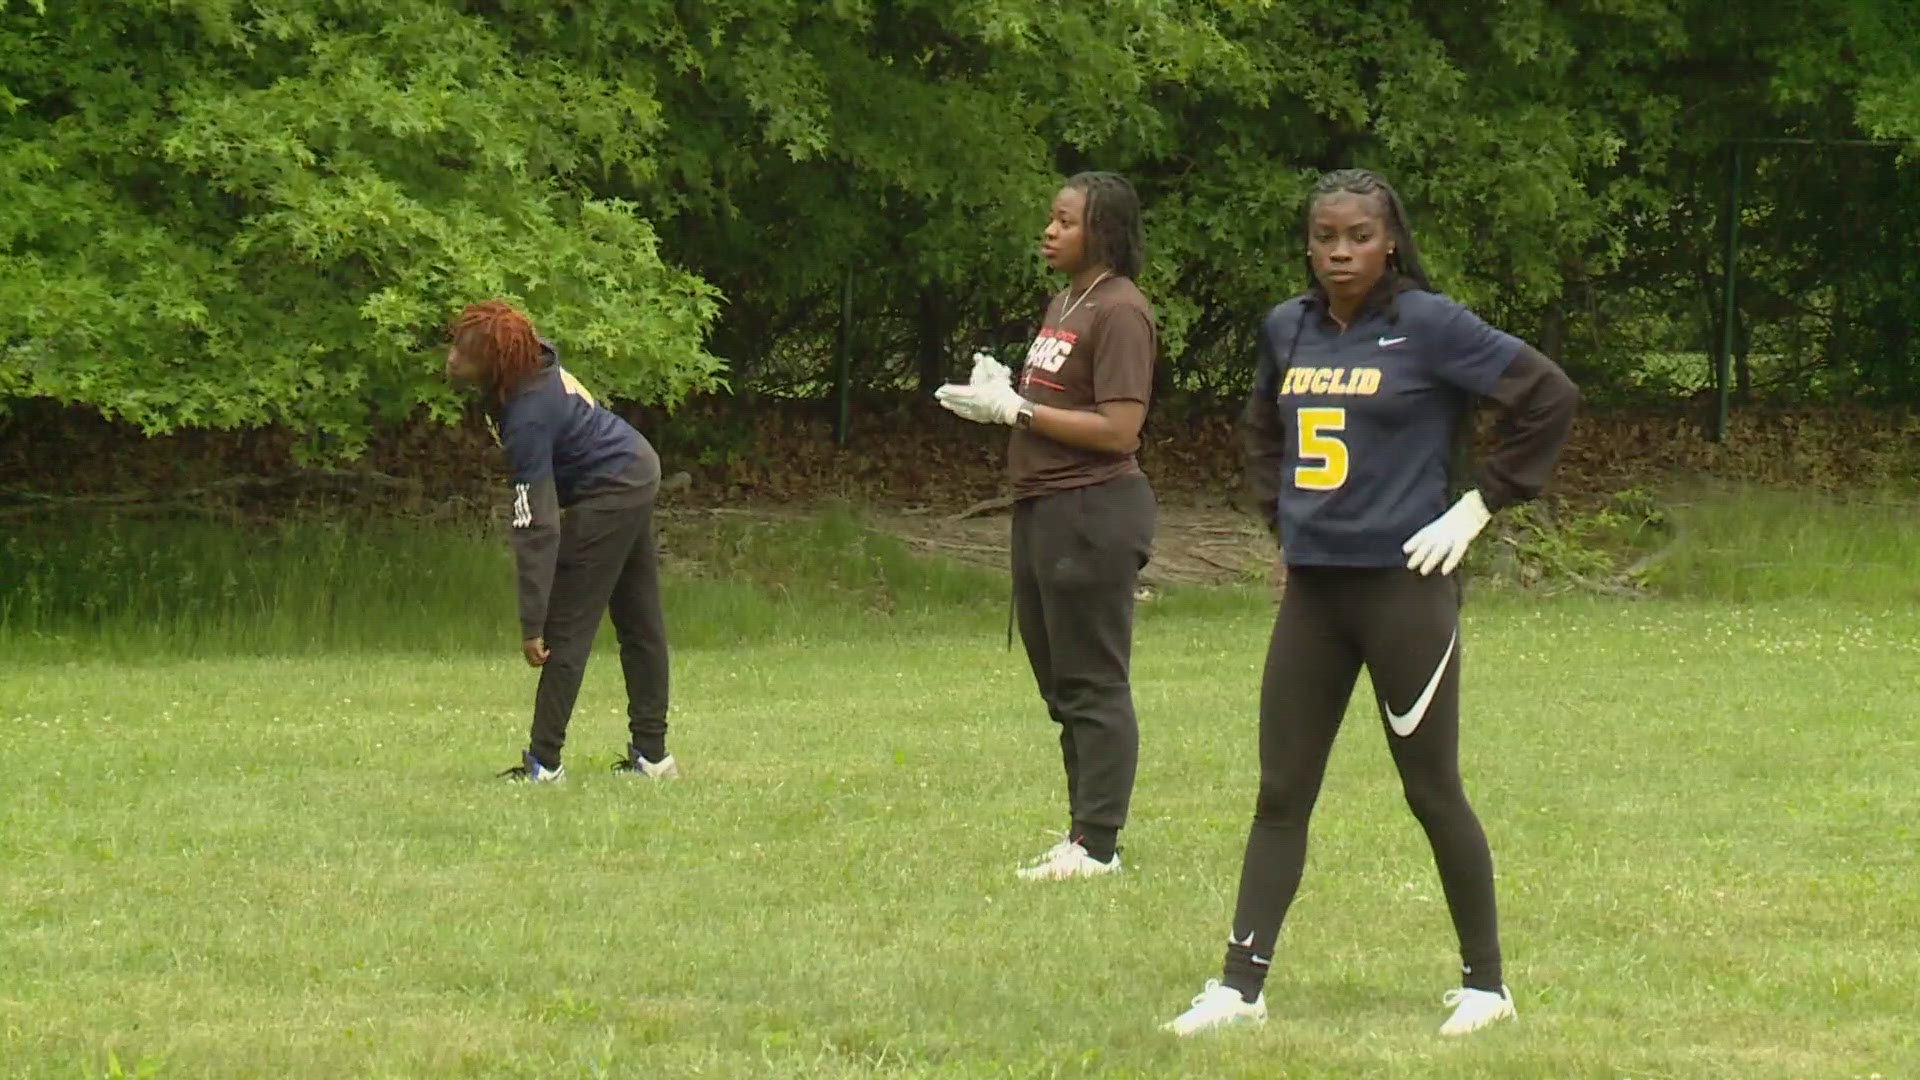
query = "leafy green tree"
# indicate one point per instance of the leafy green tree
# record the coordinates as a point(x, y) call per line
point(221, 214)
point(237, 212)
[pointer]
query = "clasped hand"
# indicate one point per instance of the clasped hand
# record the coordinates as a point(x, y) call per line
point(987, 397)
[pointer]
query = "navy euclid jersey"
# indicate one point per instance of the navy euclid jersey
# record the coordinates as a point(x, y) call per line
point(1370, 414)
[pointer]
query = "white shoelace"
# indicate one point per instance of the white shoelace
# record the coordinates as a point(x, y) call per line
point(1061, 842)
point(1205, 992)
point(1066, 853)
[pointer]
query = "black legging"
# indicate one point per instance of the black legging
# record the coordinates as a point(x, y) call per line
point(1405, 629)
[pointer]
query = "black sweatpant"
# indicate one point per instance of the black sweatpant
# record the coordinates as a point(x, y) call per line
point(1405, 629)
point(607, 564)
point(1077, 556)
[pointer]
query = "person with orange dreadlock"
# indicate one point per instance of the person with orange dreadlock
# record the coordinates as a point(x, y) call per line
point(566, 450)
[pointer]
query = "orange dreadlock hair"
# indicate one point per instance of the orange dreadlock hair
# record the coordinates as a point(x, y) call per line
point(496, 334)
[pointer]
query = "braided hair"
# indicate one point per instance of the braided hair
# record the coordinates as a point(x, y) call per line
point(1112, 222)
point(501, 338)
point(1405, 259)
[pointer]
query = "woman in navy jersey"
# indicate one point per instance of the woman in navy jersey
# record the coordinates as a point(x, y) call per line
point(1362, 388)
point(566, 450)
point(1083, 514)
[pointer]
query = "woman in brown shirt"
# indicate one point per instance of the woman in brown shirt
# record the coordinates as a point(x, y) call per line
point(1083, 515)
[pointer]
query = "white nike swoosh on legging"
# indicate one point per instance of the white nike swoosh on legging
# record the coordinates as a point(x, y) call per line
point(1403, 724)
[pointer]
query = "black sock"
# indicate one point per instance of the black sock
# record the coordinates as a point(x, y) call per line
point(1101, 843)
point(1481, 977)
point(1243, 973)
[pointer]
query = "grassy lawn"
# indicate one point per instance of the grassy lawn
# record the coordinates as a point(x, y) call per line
point(1704, 817)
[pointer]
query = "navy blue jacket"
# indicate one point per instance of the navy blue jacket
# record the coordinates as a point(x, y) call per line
point(561, 446)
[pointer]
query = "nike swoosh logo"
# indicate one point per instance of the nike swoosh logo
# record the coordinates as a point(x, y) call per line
point(1403, 724)
point(1390, 342)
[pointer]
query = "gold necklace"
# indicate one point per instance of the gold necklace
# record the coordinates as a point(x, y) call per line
point(1104, 275)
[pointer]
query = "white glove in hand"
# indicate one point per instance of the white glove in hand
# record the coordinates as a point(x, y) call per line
point(1443, 542)
point(987, 371)
point(994, 403)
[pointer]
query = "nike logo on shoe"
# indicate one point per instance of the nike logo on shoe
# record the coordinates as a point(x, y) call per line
point(1390, 342)
point(1404, 724)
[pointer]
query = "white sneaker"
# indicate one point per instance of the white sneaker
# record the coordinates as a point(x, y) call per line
point(636, 764)
point(1052, 853)
point(1069, 860)
point(1475, 1009)
point(530, 771)
point(1217, 1006)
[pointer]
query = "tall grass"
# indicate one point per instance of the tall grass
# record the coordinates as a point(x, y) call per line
point(1754, 544)
point(131, 586)
point(817, 576)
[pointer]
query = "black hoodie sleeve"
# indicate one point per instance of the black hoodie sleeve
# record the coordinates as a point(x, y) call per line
point(534, 522)
point(1263, 433)
point(1537, 402)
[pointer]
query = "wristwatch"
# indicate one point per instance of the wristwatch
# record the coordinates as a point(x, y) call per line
point(1024, 418)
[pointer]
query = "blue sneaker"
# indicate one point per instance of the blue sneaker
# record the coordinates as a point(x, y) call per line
point(530, 771)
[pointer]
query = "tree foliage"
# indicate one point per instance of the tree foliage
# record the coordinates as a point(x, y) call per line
point(222, 214)
point(236, 212)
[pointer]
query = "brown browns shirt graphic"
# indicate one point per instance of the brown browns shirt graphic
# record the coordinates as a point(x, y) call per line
point(1102, 350)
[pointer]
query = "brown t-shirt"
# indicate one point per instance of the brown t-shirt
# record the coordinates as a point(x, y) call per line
point(1100, 350)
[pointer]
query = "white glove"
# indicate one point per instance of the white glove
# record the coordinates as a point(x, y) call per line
point(1443, 542)
point(993, 403)
point(987, 371)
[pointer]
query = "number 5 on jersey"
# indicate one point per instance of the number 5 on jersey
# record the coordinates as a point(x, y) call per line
point(1323, 457)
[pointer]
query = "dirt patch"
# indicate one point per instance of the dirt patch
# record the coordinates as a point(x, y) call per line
point(1191, 545)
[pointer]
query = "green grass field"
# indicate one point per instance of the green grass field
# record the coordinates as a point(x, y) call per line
point(1704, 816)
